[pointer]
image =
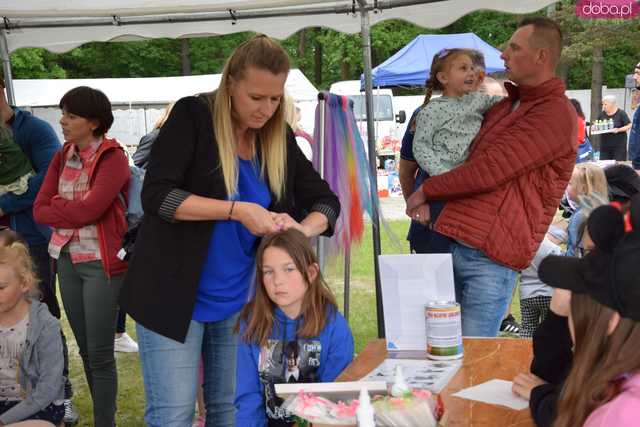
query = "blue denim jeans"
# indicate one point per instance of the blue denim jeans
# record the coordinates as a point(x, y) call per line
point(170, 374)
point(483, 289)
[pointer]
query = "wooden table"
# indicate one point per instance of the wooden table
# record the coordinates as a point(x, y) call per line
point(484, 359)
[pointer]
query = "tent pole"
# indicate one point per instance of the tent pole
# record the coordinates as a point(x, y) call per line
point(322, 106)
point(373, 162)
point(6, 68)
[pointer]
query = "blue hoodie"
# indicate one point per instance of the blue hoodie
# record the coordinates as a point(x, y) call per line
point(39, 143)
point(287, 358)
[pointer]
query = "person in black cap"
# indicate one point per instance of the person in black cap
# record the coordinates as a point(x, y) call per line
point(603, 385)
point(623, 183)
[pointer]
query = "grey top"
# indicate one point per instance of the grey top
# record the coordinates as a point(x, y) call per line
point(41, 366)
point(12, 339)
point(445, 128)
point(530, 285)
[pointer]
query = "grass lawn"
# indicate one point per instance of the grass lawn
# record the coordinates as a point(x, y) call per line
point(362, 319)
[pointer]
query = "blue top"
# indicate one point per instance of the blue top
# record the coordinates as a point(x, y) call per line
point(230, 263)
point(287, 358)
point(39, 143)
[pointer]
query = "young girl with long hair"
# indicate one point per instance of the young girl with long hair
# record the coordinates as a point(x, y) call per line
point(290, 332)
point(588, 180)
point(31, 361)
point(446, 126)
point(603, 386)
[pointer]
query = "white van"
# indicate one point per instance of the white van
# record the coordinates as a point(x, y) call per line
point(387, 123)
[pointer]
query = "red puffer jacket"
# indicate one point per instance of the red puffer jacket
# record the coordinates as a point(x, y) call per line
point(108, 179)
point(503, 197)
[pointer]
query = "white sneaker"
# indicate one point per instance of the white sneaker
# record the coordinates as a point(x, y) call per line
point(125, 344)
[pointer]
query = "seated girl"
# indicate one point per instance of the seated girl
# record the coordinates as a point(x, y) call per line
point(291, 332)
point(31, 362)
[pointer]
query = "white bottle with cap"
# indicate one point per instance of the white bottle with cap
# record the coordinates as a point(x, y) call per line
point(365, 414)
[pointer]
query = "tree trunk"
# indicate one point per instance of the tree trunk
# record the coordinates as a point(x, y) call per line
point(317, 57)
point(301, 49)
point(596, 88)
point(184, 57)
point(344, 67)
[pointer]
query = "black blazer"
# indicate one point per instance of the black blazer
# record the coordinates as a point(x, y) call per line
point(160, 287)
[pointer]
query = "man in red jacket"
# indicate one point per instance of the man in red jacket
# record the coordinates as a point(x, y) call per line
point(502, 199)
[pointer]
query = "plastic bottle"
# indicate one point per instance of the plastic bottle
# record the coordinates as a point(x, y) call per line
point(400, 386)
point(365, 415)
point(610, 124)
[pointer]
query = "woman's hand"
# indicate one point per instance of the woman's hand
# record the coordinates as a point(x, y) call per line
point(416, 199)
point(285, 222)
point(257, 219)
point(422, 214)
point(524, 383)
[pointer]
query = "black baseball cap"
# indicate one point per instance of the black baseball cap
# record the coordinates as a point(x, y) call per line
point(623, 181)
point(610, 273)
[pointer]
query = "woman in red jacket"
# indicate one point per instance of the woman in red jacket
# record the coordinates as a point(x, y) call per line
point(82, 199)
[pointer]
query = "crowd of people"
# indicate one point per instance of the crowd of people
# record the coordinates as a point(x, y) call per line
point(224, 285)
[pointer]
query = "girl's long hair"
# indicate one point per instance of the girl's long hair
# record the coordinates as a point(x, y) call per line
point(318, 302)
point(263, 53)
point(600, 360)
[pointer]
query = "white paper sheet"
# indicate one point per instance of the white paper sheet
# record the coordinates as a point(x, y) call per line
point(495, 392)
point(431, 375)
point(409, 282)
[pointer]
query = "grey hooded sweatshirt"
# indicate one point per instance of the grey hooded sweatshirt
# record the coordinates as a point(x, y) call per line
point(41, 366)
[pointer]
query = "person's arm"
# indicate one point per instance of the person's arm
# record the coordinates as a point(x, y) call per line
point(511, 153)
point(543, 402)
point(340, 351)
point(49, 350)
point(42, 211)
point(552, 354)
point(408, 167)
point(40, 145)
point(407, 174)
point(111, 176)
point(249, 401)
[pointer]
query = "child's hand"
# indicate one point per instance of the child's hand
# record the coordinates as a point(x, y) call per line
point(524, 383)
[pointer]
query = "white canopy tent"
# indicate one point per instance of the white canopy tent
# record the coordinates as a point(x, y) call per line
point(60, 26)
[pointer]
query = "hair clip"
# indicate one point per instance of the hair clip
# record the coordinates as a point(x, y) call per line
point(442, 53)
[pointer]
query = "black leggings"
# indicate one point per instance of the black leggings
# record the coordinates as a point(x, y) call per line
point(616, 152)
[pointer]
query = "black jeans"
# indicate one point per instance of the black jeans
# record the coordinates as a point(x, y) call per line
point(47, 274)
point(616, 152)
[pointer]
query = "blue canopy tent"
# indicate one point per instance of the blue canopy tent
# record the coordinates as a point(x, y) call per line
point(410, 65)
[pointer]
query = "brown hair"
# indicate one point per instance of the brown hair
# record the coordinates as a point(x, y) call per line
point(599, 360)
point(263, 53)
point(91, 104)
point(547, 34)
point(441, 61)
point(15, 254)
point(318, 302)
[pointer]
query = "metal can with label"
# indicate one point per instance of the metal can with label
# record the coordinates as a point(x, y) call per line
point(444, 330)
